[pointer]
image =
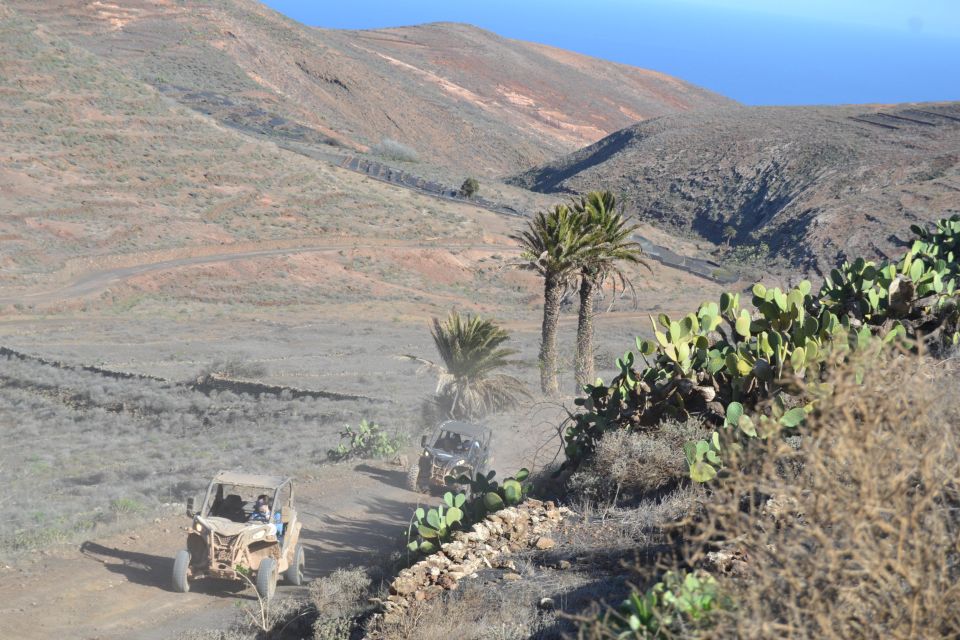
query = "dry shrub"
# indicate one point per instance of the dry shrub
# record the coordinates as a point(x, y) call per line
point(338, 599)
point(341, 592)
point(389, 148)
point(253, 623)
point(234, 368)
point(627, 466)
point(851, 531)
point(472, 614)
point(234, 633)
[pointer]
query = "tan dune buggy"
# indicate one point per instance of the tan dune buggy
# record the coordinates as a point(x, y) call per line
point(224, 543)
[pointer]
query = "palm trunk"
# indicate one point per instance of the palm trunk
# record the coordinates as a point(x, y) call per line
point(548, 343)
point(584, 361)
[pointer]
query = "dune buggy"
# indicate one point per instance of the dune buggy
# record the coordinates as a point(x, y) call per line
point(224, 542)
point(453, 449)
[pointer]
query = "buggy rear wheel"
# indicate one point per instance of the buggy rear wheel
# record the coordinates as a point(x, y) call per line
point(267, 578)
point(294, 573)
point(181, 565)
point(413, 478)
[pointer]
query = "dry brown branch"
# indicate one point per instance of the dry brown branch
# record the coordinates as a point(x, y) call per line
point(850, 530)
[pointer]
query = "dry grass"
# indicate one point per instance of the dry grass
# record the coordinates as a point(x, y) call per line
point(472, 614)
point(88, 453)
point(277, 621)
point(853, 533)
point(393, 150)
point(236, 632)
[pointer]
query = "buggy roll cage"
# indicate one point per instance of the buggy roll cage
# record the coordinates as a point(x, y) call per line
point(263, 483)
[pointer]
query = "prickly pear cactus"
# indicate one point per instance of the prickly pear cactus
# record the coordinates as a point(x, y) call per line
point(731, 355)
point(431, 528)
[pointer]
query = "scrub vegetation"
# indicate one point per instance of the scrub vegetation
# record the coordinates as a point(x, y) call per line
point(84, 452)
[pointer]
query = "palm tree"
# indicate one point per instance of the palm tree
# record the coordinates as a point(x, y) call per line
point(610, 243)
point(554, 245)
point(729, 233)
point(471, 352)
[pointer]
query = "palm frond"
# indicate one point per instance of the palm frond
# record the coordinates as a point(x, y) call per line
point(471, 351)
point(425, 365)
point(612, 243)
point(554, 243)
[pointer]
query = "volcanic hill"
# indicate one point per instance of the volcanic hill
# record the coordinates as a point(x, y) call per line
point(815, 184)
point(455, 94)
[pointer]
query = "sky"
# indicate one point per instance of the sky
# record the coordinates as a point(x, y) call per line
point(759, 52)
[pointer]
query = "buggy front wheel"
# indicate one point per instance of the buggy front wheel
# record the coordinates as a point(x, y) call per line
point(181, 565)
point(413, 478)
point(267, 578)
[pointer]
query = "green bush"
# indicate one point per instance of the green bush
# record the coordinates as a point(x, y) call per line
point(679, 605)
point(368, 441)
point(469, 188)
point(125, 507)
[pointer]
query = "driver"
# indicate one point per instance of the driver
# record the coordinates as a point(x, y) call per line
point(262, 515)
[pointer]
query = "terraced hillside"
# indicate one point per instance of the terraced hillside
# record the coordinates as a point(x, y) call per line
point(813, 183)
point(457, 95)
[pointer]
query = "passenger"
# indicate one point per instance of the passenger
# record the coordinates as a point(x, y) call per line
point(443, 441)
point(451, 442)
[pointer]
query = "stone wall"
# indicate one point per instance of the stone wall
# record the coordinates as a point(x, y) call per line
point(488, 544)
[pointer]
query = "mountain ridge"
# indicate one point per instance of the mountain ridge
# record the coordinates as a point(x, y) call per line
point(458, 95)
point(814, 184)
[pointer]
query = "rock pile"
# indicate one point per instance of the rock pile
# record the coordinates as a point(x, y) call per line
point(487, 544)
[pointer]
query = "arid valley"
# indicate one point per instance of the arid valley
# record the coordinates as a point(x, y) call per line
point(228, 240)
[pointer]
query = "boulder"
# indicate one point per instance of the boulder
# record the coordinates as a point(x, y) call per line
point(543, 543)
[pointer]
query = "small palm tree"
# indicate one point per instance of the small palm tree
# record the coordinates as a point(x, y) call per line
point(610, 243)
point(554, 244)
point(729, 233)
point(471, 351)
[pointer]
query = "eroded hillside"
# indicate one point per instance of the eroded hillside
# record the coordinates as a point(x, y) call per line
point(103, 170)
point(457, 95)
point(815, 184)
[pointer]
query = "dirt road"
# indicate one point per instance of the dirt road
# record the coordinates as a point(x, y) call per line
point(119, 587)
point(98, 280)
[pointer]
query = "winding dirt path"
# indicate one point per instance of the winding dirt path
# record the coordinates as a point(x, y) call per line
point(99, 280)
point(118, 587)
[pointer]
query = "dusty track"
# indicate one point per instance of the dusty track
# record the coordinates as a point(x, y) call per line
point(118, 587)
point(96, 281)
